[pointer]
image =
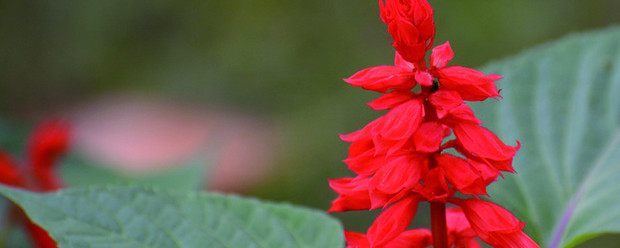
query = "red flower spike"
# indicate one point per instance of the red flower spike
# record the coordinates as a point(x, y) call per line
point(399, 157)
point(461, 174)
point(382, 78)
point(392, 222)
point(494, 224)
point(411, 24)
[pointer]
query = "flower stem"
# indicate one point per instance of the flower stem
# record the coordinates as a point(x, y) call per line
point(438, 225)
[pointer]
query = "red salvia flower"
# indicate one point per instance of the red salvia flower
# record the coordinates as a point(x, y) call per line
point(400, 158)
point(494, 224)
point(46, 144)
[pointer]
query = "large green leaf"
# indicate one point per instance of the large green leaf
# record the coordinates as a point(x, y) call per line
point(562, 102)
point(144, 217)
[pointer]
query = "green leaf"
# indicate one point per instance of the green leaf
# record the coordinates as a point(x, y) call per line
point(144, 217)
point(562, 102)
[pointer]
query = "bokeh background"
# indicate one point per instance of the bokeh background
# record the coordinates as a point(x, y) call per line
point(249, 90)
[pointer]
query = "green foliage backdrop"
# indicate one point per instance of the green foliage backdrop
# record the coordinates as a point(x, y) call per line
point(562, 102)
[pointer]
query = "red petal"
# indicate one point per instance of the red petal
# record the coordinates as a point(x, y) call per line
point(366, 163)
point(429, 136)
point(463, 113)
point(444, 101)
point(401, 173)
point(461, 175)
point(402, 63)
point(435, 186)
point(39, 236)
point(392, 222)
point(356, 240)
point(472, 85)
point(382, 78)
point(423, 78)
point(419, 238)
point(391, 99)
point(460, 232)
point(9, 172)
point(487, 172)
point(392, 130)
point(353, 194)
point(450, 107)
point(441, 55)
point(482, 142)
point(494, 224)
point(47, 142)
point(351, 137)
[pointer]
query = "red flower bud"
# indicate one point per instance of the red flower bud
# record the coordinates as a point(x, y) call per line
point(411, 24)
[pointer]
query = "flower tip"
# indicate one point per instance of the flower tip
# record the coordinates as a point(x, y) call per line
point(334, 208)
point(494, 77)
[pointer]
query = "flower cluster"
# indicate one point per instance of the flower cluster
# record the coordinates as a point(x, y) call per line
point(46, 144)
point(402, 157)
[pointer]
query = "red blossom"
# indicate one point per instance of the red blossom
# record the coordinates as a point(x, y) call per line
point(382, 78)
point(47, 143)
point(353, 194)
point(392, 222)
point(401, 159)
point(461, 174)
point(494, 224)
point(411, 24)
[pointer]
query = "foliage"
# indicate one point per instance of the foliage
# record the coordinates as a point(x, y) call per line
point(562, 101)
point(145, 217)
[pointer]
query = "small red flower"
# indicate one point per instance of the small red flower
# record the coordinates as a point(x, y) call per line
point(494, 224)
point(46, 144)
point(411, 24)
point(392, 222)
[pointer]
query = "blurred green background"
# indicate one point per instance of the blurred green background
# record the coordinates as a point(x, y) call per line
point(281, 61)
